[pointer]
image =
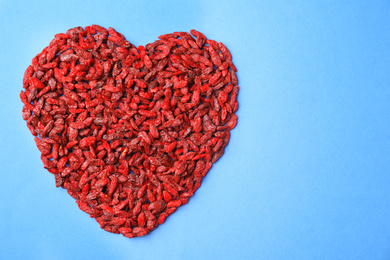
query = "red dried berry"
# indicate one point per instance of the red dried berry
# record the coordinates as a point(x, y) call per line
point(130, 132)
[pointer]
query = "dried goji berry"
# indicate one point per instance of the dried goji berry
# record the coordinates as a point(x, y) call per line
point(130, 132)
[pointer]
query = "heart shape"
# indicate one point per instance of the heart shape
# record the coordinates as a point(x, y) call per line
point(130, 132)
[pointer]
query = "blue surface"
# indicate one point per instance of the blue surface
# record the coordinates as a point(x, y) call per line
point(306, 174)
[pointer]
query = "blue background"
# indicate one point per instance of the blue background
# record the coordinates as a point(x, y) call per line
point(306, 174)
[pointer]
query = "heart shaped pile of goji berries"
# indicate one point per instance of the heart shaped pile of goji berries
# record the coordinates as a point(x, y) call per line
point(130, 132)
